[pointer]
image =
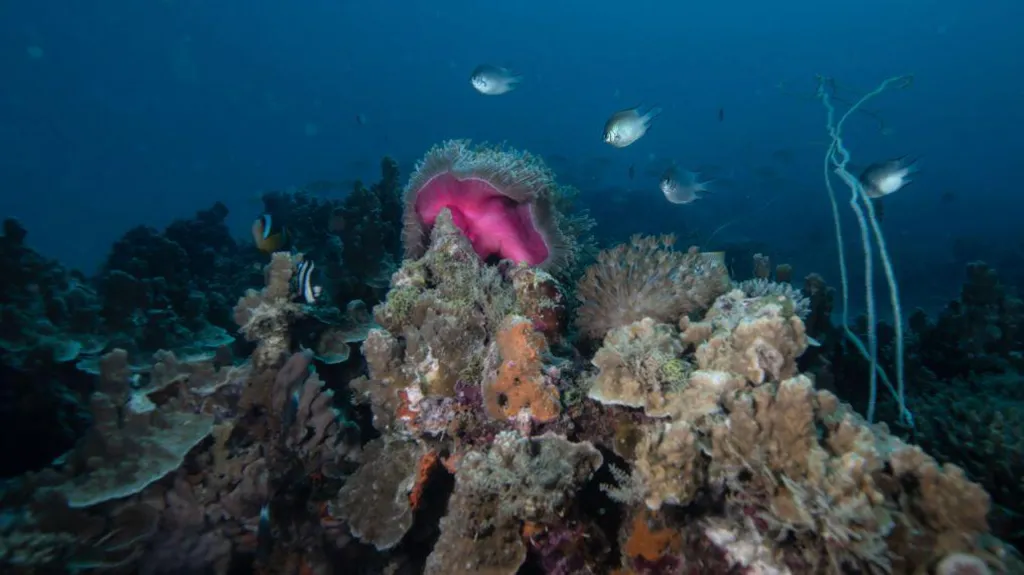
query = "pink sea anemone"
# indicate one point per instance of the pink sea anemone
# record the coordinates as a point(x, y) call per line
point(499, 199)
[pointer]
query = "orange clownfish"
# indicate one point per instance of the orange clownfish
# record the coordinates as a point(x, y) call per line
point(268, 236)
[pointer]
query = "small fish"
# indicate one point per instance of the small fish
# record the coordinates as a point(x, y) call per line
point(304, 282)
point(264, 536)
point(361, 119)
point(628, 126)
point(494, 80)
point(291, 410)
point(632, 171)
point(721, 114)
point(686, 190)
point(267, 234)
point(887, 177)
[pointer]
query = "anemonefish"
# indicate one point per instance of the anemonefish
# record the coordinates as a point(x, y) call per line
point(268, 235)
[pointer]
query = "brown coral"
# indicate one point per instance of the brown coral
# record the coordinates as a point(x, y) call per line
point(375, 500)
point(539, 298)
point(639, 365)
point(265, 316)
point(646, 278)
point(517, 479)
point(758, 338)
point(519, 383)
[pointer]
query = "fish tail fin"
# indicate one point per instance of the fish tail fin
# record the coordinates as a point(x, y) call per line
point(653, 113)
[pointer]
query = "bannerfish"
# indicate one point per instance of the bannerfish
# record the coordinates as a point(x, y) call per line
point(887, 177)
point(494, 80)
point(685, 190)
point(268, 235)
point(627, 126)
point(304, 282)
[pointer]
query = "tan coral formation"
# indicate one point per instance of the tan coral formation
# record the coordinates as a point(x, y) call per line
point(375, 500)
point(264, 316)
point(803, 478)
point(517, 479)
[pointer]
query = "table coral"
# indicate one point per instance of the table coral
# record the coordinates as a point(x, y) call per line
point(132, 443)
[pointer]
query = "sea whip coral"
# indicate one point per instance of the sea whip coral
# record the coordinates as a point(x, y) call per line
point(499, 198)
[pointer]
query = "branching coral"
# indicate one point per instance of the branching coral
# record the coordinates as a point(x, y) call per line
point(646, 278)
point(49, 314)
point(172, 289)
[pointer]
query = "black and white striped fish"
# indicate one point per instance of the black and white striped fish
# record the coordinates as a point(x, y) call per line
point(304, 282)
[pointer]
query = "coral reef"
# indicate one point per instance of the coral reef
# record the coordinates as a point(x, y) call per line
point(48, 314)
point(355, 240)
point(684, 429)
point(172, 289)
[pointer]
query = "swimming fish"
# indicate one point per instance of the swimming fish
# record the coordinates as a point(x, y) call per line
point(494, 80)
point(721, 114)
point(887, 177)
point(628, 126)
point(685, 190)
point(632, 171)
point(307, 290)
point(268, 235)
point(264, 535)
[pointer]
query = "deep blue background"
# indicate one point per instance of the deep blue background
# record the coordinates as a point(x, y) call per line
point(140, 111)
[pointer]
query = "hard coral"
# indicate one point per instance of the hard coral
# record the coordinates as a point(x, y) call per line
point(639, 365)
point(375, 500)
point(265, 316)
point(759, 338)
point(518, 479)
point(646, 278)
point(500, 199)
point(518, 385)
point(132, 443)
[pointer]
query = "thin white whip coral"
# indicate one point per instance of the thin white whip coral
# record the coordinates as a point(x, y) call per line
point(838, 157)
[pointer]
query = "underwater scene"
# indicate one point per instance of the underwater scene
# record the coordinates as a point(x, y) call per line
point(539, 288)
